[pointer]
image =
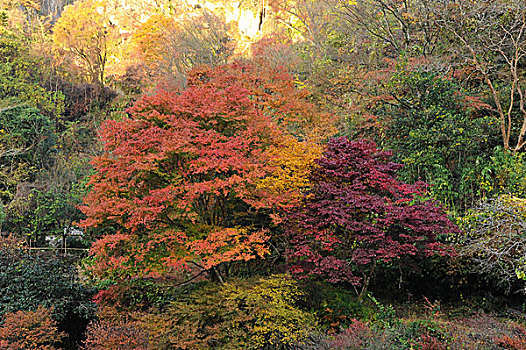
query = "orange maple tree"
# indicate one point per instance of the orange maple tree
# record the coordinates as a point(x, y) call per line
point(274, 91)
point(181, 177)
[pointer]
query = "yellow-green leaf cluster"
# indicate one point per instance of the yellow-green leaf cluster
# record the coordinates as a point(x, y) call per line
point(241, 314)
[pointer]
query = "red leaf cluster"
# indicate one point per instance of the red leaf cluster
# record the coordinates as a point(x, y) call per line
point(357, 213)
point(121, 335)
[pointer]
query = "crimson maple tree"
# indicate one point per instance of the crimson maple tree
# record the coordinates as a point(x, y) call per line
point(357, 213)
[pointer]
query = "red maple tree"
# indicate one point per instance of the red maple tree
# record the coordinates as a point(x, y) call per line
point(175, 175)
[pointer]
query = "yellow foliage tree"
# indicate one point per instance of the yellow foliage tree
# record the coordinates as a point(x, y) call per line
point(150, 36)
point(171, 45)
point(87, 30)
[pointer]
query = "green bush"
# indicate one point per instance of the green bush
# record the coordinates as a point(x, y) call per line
point(27, 145)
point(29, 279)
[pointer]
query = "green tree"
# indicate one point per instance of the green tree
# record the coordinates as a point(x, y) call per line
point(26, 76)
point(28, 280)
point(27, 146)
point(434, 128)
point(486, 38)
point(49, 213)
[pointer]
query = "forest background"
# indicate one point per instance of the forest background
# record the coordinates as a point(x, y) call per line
point(270, 174)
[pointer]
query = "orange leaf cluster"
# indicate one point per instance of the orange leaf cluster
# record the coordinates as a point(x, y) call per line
point(175, 173)
point(29, 330)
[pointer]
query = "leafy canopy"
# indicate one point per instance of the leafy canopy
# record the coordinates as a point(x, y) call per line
point(181, 180)
point(357, 213)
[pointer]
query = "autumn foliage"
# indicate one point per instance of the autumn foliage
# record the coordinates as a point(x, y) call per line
point(119, 335)
point(262, 174)
point(23, 330)
point(357, 213)
point(274, 91)
point(180, 172)
point(240, 314)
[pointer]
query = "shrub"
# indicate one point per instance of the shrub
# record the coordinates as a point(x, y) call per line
point(119, 335)
point(484, 331)
point(28, 280)
point(241, 314)
point(24, 330)
point(335, 306)
point(495, 239)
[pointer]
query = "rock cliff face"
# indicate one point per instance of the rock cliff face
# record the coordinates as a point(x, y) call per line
point(53, 8)
point(251, 16)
